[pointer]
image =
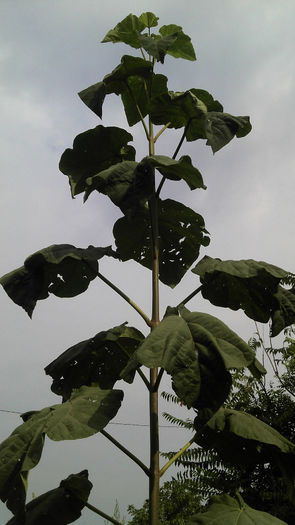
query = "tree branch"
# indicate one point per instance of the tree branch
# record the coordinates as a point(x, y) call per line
point(190, 296)
point(126, 451)
point(102, 514)
point(176, 456)
point(126, 298)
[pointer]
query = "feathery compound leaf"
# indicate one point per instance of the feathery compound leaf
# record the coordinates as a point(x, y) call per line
point(227, 510)
point(60, 269)
point(97, 360)
point(250, 285)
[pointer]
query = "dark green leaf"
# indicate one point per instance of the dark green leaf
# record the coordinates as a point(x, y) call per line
point(285, 314)
point(250, 285)
point(240, 438)
point(128, 184)
point(157, 47)
point(170, 346)
point(86, 412)
point(60, 269)
point(181, 231)
point(177, 109)
point(60, 506)
point(178, 169)
point(97, 360)
point(93, 151)
point(135, 97)
point(126, 31)
point(227, 510)
point(130, 66)
point(93, 97)
point(210, 331)
point(182, 47)
point(148, 19)
point(222, 127)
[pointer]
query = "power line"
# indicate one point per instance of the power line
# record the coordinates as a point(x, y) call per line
point(110, 423)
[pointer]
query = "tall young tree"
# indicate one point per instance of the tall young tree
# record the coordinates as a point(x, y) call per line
point(196, 349)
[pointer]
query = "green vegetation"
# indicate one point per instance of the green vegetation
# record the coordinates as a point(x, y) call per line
point(197, 350)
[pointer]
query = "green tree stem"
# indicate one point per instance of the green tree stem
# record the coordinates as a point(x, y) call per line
point(176, 456)
point(161, 131)
point(126, 451)
point(126, 298)
point(102, 514)
point(154, 480)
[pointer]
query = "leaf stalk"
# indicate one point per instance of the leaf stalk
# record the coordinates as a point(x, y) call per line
point(176, 456)
point(126, 451)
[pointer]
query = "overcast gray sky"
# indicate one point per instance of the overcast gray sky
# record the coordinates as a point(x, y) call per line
point(50, 50)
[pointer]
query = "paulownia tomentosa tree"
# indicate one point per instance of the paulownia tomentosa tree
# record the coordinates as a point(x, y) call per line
point(196, 349)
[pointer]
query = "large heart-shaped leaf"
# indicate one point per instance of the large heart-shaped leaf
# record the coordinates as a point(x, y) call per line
point(60, 506)
point(148, 19)
point(227, 510)
point(128, 184)
point(170, 346)
point(60, 269)
point(182, 47)
point(97, 360)
point(202, 116)
point(177, 169)
point(86, 412)
point(240, 438)
point(209, 331)
point(250, 285)
point(181, 231)
point(93, 151)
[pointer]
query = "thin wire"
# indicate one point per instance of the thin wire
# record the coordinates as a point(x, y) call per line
point(111, 422)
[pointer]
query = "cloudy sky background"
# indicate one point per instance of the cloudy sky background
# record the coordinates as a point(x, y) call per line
point(49, 51)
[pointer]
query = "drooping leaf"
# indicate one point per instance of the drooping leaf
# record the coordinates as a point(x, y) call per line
point(209, 331)
point(285, 314)
point(250, 285)
point(178, 169)
point(230, 510)
point(240, 438)
point(97, 360)
point(60, 269)
point(93, 151)
point(18, 454)
point(182, 47)
point(86, 412)
point(181, 232)
point(128, 184)
point(60, 506)
point(134, 80)
point(170, 346)
point(157, 47)
point(126, 31)
point(149, 19)
point(202, 116)
point(221, 128)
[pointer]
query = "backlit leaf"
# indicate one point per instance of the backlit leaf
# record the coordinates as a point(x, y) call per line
point(182, 47)
point(60, 506)
point(93, 151)
point(181, 231)
point(149, 19)
point(60, 269)
point(157, 47)
point(221, 128)
point(97, 360)
point(178, 169)
point(250, 285)
point(230, 510)
point(126, 31)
